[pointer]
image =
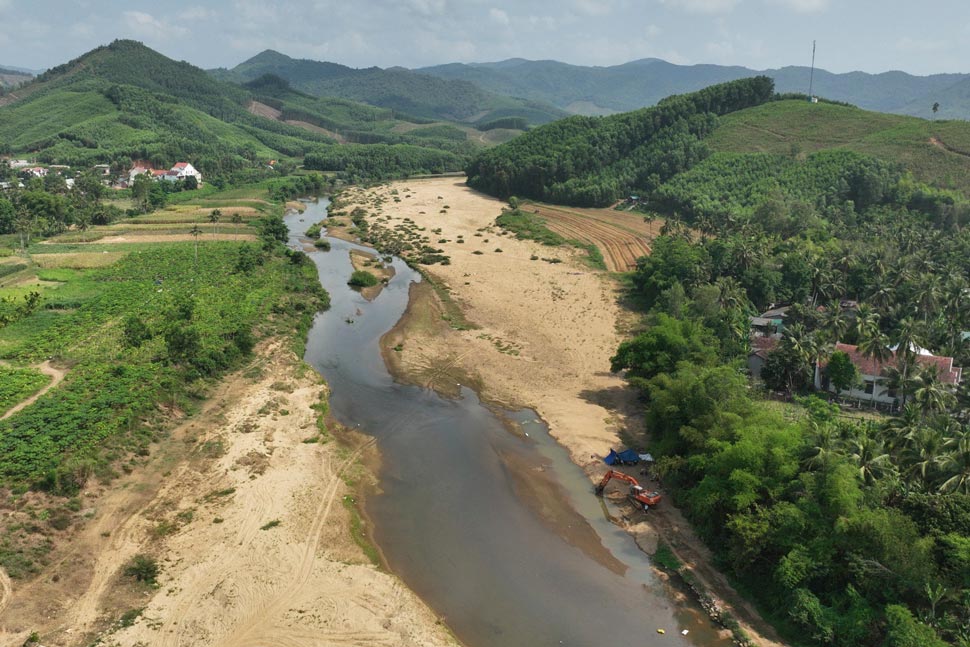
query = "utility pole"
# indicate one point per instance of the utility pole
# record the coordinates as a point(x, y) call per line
point(811, 78)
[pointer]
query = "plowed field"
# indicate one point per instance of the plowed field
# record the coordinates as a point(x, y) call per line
point(621, 236)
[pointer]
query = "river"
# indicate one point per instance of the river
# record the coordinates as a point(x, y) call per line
point(451, 519)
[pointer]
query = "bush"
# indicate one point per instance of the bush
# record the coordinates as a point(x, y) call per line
point(362, 279)
point(143, 568)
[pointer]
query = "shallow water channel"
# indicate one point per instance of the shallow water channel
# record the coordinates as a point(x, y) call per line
point(456, 518)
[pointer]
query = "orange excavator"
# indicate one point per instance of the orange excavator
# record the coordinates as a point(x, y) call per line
point(640, 497)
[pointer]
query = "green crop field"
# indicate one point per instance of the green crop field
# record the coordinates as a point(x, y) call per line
point(16, 384)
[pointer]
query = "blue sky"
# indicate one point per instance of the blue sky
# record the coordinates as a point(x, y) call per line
point(870, 35)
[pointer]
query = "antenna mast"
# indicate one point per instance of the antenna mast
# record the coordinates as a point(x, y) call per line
point(811, 78)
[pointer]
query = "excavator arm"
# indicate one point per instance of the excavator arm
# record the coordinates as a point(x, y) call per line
point(637, 494)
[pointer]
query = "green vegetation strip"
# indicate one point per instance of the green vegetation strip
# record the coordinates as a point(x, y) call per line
point(17, 384)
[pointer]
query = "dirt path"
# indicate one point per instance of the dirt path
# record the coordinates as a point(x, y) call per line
point(936, 141)
point(57, 376)
point(240, 510)
point(5, 590)
point(543, 338)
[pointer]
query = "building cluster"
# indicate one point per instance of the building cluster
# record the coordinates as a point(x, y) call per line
point(27, 170)
point(767, 331)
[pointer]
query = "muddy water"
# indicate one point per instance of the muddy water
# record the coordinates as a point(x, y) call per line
point(503, 565)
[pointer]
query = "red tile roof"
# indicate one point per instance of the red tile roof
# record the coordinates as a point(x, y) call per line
point(761, 346)
point(949, 374)
point(180, 165)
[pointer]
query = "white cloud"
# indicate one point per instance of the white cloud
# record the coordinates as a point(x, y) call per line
point(428, 7)
point(146, 25)
point(499, 16)
point(803, 6)
point(652, 31)
point(921, 45)
point(197, 13)
point(593, 7)
point(703, 6)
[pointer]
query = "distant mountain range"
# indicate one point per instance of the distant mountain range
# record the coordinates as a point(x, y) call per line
point(604, 90)
point(404, 91)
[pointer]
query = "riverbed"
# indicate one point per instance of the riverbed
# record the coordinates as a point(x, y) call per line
point(480, 511)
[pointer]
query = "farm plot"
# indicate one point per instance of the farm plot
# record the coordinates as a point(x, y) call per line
point(622, 237)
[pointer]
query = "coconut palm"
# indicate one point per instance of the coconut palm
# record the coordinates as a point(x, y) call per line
point(955, 463)
point(870, 457)
point(835, 321)
point(930, 395)
point(920, 458)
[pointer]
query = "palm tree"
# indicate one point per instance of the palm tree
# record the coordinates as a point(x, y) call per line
point(835, 321)
point(929, 394)
point(869, 456)
point(955, 463)
point(214, 218)
point(921, 455)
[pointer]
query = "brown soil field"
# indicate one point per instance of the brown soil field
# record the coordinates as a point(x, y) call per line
point(621, 236)
point(245, 507)
point(263, 110)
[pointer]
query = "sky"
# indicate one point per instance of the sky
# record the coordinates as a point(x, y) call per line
point(916, 36)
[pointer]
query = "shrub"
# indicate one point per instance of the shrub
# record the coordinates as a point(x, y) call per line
point(362, 279)
point(143, 568)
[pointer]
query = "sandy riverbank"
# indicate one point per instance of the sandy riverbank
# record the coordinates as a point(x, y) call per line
point(247, 510)
point(541, 335)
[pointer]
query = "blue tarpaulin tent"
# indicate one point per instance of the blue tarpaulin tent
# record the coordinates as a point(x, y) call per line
point(626, 457)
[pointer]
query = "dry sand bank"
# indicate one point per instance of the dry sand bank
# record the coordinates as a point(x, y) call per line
point(206, 507)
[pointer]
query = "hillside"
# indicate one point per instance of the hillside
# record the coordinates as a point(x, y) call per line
point(126, 101)
point(618, 88)
point(595, 161)
point(936, 152)
point(406, 92)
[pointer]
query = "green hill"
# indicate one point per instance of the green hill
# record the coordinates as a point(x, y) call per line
point(935, 152)
point(406, 92)
point(594, 161)
point(126, 101)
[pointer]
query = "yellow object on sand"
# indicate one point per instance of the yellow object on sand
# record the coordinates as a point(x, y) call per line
point(661, 631)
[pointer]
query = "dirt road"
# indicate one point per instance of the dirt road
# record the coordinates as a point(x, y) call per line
point(57, 376)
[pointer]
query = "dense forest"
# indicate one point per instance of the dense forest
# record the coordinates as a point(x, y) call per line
point(847, 530)
point(594, 161)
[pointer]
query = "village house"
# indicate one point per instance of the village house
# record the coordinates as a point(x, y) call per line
point(19, 163)
point(180, 171)
point(36, 171)
point(871, 388)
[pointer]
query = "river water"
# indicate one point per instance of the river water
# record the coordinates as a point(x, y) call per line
point(450, 518)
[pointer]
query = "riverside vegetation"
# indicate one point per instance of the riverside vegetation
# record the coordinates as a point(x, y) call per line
point(845, 530)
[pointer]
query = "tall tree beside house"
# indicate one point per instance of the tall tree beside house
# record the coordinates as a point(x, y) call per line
point(842, 373)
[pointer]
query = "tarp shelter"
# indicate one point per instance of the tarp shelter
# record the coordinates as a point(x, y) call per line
point(626, 457)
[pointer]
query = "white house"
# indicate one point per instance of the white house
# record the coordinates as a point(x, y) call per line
point(36, 171)
point(181, 171)
point(871, 388)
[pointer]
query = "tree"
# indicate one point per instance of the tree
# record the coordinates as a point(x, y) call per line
point(904, 630)
point(214, 216)
point(936, 107)
point(842, 373)
point(663, 346)
point(141, 188)
point(196, 231)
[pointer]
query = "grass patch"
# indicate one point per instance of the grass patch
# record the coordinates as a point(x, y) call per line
point(665, 558)
point(271, 524)
point(358, 533)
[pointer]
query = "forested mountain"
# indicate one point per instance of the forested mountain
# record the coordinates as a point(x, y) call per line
point(594, 161)
point(618, 88)
point(125, 101)
point(401, 90)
